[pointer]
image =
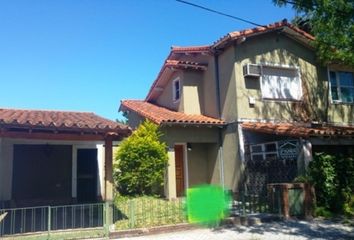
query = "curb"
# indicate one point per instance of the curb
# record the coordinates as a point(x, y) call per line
point(151, 231)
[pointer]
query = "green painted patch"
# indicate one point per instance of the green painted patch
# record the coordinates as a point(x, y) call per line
point(207, 204)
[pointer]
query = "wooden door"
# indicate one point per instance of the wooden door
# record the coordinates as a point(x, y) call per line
point(179, 170)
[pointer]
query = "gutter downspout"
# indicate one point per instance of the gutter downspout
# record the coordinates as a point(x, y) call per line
point(218, 101)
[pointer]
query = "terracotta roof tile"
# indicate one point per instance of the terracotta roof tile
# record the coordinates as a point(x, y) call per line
point(186, 64)
point(247, 32)
point(161, 115)
point(190, 49)
point(57, 120)
point(297, 129)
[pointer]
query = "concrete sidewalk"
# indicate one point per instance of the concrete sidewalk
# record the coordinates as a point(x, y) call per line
point(284, 230)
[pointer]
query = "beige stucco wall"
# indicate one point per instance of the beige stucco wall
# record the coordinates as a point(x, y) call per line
point(166, 97)
point(227, 84)
point(134, 119)
point(197, 160)
point(281, 50)
point(176, 134)
point(193, 96)
point(213, 163)
point(209, 89)
point(6, 157)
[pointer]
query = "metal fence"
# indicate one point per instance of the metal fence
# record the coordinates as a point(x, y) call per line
point(245, 204)
point(96, 220)
point(85, 220)
point(147, 212)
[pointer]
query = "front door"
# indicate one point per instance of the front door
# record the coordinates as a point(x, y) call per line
point(87, 170)
point(179, 170)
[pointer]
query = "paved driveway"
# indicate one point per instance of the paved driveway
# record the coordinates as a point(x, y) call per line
point(287, 230)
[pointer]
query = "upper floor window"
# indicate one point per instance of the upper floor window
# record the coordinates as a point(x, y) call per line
point(176, 89)
point(342, 86)
point(280, 83)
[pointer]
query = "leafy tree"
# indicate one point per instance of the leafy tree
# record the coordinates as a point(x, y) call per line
point(331, 22)
point(140, 162)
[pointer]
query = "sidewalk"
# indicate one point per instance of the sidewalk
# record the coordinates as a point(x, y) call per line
point(285, 230)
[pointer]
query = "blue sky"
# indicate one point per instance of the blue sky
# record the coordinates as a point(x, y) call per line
point(87, 55)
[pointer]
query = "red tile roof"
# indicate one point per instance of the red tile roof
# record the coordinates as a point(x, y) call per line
point(57, 120)
point(297, 129)
point(185, 65)
point(253, 31)
point(191, 49)
point(161, 115)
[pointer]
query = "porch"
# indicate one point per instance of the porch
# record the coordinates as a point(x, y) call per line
point(51, 158)
point(194, 158)
point(279, 152)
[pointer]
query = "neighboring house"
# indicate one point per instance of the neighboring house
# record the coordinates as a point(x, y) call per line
point(56, 157)
point(248, 109)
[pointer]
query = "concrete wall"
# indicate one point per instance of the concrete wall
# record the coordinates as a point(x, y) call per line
point(6, 163)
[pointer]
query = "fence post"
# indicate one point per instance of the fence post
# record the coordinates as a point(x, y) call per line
point(131, 207)
point(108, 218)
point(49, 220)
point(243, 204)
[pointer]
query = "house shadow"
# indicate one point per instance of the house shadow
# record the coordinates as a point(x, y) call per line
point(308, 230)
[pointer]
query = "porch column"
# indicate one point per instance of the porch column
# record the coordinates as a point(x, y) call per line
point(307, 153)
point(108, 170)
point(170, 178)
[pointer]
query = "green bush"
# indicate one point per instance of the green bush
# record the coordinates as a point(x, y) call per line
point(333, 179)
point(323, 212)
point(140, 162)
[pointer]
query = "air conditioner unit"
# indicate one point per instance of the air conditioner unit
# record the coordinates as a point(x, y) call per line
point(251, 70)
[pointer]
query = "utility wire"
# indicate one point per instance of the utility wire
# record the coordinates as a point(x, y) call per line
point(220, 13)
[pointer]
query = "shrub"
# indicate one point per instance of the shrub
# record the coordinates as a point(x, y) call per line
point(140, 162)
point(333, 179)
point(324, 177)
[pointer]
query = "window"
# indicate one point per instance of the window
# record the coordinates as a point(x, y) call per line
point(342, 86)
point(264, 151)
point(281, 83)
point(275, 150)
point(176, 89)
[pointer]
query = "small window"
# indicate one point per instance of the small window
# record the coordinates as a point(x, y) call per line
point(281, 83)
point(342, 86)
point(176, 89)
point(264, 151)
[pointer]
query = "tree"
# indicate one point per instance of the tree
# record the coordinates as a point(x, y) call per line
point(140, 162)
point(332, 24)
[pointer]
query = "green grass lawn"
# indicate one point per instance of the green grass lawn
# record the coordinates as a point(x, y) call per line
point(147, 211)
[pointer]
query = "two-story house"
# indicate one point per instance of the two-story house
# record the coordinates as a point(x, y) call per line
point(248, 109)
